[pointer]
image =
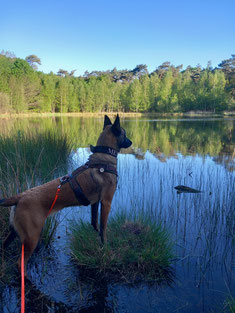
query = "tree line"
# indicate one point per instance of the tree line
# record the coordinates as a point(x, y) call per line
point(168, 89)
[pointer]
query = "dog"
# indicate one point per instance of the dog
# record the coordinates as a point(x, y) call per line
point(93, 183)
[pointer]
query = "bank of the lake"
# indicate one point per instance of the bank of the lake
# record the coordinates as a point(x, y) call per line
point(121, 114)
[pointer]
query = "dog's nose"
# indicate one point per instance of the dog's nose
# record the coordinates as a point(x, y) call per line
point(127, 143)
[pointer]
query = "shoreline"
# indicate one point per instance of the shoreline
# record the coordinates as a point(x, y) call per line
point(121, 114)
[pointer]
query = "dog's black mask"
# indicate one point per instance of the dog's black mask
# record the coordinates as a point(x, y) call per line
point(123, 141)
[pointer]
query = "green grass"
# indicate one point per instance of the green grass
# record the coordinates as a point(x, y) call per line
point(137, 249)
point(49, 229)
point(230, 305)
point(28, 159)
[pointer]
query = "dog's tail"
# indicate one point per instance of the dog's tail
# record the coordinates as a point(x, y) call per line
point(9, 201)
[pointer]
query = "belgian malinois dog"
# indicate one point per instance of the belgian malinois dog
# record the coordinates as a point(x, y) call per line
point(92, 183)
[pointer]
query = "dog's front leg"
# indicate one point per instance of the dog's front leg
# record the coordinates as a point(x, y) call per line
point(94, 215)
point(105, 209)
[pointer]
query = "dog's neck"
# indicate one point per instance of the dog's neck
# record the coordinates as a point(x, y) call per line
point(104, 149)
point(102, 158)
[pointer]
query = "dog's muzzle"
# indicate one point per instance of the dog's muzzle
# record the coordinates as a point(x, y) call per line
point(126, 144)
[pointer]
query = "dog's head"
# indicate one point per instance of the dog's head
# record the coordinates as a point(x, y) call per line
point(114, 135)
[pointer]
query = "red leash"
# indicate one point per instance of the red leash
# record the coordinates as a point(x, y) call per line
point(22, 258)
point(56, 197)
point(22, 281)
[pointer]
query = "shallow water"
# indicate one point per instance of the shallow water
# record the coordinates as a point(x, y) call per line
point(197, 153)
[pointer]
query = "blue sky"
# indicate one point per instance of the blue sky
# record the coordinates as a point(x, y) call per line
point(103, 34)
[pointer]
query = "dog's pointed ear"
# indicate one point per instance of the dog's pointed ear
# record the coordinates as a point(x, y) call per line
point(106, 121)
point(116, 128)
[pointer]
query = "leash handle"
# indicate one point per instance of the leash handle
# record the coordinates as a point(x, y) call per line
point(22, 281)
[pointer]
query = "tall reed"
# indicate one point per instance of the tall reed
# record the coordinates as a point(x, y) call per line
point(28, 159)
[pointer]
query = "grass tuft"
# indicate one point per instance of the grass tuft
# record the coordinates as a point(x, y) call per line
point(136, 250)
point(28, 159)
point(49, 229)
point(230, 305)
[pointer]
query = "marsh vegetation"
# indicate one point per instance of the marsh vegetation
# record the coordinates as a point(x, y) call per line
point(138, 249)
point(200, 242)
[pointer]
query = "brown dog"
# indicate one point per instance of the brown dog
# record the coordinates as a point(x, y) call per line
point(95, 181)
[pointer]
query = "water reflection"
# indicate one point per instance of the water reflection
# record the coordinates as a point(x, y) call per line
point(212, 137)
point(196, 153)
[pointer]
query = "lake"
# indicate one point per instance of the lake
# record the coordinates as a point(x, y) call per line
point(195, 152)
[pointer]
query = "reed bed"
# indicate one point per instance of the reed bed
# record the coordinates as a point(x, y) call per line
point(28, 159)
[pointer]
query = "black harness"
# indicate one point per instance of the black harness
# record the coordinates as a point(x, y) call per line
point(103, 168)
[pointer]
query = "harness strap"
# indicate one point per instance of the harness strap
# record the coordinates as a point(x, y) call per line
point(78, 191)
point(76, 186)
point(80, 170)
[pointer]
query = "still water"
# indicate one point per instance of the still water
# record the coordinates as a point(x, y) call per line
point(199, 153)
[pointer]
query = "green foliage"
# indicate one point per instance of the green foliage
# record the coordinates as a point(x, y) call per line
point(229, 305)
point(27, 158)
point(49, 229)
point(167, 89)
point(4, 102)
point(32, 59)
point(136, 249)
point(228, 68)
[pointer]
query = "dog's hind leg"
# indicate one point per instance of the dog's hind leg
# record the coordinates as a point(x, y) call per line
point(28, 224)
point(30, 243)
point(29, 247)
point(94, 215)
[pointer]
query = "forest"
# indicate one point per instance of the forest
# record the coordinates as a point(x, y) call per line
point(168, 89)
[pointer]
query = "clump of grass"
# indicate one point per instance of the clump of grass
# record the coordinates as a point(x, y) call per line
point(49, 229)
point(31, 158)
point(136, 250)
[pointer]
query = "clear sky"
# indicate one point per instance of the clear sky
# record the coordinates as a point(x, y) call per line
point(103, 34)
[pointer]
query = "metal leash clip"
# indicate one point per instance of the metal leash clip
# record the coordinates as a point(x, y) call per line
point(64, 180)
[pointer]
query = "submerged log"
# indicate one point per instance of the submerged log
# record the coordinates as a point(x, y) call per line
point(185, 189)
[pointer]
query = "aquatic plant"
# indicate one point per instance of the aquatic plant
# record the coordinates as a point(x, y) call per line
point(28, 159)
point(230, 304)
point(49, 229)
point(137, 249)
